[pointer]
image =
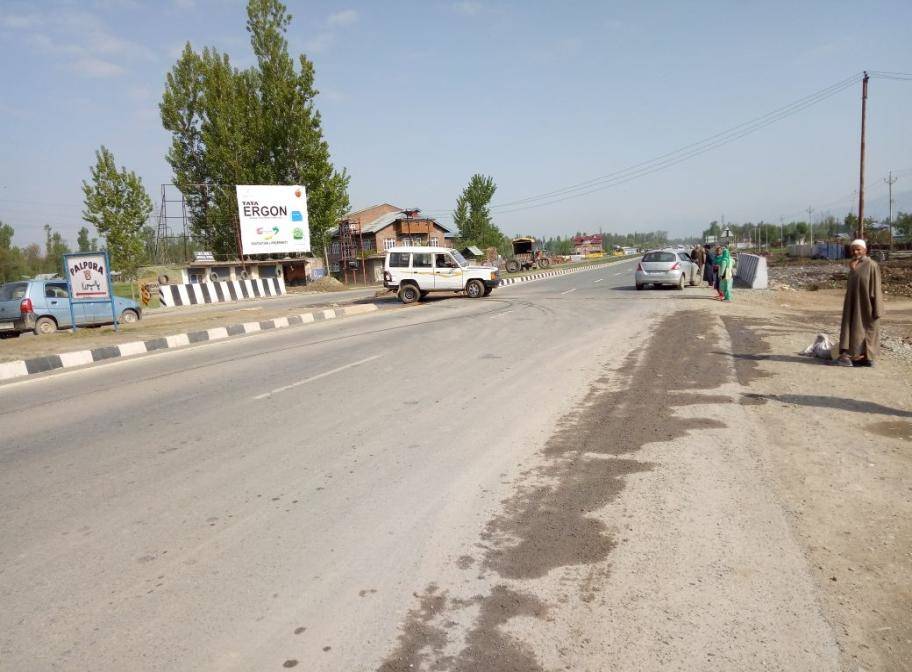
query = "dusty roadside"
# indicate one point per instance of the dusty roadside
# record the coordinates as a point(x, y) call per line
point(838, 448)
point(716, 502)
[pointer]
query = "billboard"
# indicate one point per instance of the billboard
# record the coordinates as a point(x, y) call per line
point(88, 277)
point(273, 219)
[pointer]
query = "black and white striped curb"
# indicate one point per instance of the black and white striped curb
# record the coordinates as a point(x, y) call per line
point(550, 274)
point(219, 292)
point(29, 367)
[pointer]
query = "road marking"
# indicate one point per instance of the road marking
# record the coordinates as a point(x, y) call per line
point(502, 314)
point(599, 280)
point(569, 290)
point(619, 274)
point(316, 377)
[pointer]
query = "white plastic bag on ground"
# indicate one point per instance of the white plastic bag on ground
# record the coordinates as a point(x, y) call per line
point(822, 348)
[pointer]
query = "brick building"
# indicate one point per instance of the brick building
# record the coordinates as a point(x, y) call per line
point(587, 244)
point(381, 227)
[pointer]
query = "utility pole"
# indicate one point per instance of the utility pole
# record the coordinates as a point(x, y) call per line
point(811, 224)
point(890, 180)
point(864, 106)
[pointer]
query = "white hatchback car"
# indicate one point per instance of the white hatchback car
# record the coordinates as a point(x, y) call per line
point(413, 272)
point(667, 267)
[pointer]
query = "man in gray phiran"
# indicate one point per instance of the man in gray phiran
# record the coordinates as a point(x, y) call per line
point(859, 337)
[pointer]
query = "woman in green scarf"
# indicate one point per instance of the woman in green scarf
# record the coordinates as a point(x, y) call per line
point(726, 274)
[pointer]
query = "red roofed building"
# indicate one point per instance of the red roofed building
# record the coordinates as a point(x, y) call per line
point(587, 244)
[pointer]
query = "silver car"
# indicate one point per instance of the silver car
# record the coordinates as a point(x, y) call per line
point(667, 267)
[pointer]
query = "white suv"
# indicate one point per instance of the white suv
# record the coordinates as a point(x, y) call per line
point(413, 272)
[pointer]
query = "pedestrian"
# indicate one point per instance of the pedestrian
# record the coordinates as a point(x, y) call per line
point(859, 335)
point(709, 273)
point(716, 260)
point(699, 257)
point(726, 275)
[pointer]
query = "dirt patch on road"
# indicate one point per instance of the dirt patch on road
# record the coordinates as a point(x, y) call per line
point(550, 522)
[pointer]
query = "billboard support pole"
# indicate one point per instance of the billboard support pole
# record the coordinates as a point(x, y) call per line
point(70, 292)
point(110, 291)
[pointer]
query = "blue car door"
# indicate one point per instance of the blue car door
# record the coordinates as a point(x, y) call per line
point(57, 303)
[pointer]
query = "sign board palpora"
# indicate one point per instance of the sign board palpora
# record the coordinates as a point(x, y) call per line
point(273, 219)
point(89, 279)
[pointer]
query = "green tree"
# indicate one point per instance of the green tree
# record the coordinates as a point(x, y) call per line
point(83, 243)
point(117, 204)
point(903, 224)
point(12, 265)
point(473, 213)
point(253, 126)
point(55, 248)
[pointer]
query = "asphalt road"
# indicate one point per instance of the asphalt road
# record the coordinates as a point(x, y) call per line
point(305, 497)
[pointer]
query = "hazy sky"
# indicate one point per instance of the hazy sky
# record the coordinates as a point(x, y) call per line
point(417, 96)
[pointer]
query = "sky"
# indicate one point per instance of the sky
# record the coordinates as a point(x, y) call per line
point(541, 95)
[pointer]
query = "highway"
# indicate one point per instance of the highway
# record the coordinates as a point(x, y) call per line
point(353, 495)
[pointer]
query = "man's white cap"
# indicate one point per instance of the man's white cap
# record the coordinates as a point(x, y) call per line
point(860, 243)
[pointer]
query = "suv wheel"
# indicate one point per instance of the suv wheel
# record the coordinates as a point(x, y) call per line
point(474, 289)
point(409, 294)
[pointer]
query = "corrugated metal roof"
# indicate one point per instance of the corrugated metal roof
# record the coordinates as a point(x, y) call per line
point(385, 220)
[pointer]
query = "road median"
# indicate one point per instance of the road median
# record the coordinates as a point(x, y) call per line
point(21, 368)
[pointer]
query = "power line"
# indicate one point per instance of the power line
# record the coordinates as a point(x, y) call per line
point(674, 157)
point(695, 148)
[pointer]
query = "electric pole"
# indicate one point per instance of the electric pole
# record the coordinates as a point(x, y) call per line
point(890, 180)
point(864, 106)
point(811, 224)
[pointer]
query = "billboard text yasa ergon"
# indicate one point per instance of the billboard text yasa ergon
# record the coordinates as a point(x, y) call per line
point(273, 219)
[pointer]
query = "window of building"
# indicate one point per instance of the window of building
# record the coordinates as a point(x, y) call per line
point(432, 242)
point(367, 243)
point(388, 243)
point(335, 247)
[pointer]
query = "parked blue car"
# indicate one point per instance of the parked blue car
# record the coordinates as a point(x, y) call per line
point(43, 306)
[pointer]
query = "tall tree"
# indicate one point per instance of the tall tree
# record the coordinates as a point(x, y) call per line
point(83, 243)
point(117, 203)
point(473, 213)
point(253, 126)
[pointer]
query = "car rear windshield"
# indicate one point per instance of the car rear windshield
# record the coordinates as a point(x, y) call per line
point(13, 290)
point(659, 256)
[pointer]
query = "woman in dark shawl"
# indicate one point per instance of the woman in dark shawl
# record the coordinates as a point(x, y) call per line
point(708, 273)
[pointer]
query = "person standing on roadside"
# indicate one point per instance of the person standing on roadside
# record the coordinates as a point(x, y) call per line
point(859, 335)
point(716, 261)
point(726, 275)
point(709, 273)
point(699, 257)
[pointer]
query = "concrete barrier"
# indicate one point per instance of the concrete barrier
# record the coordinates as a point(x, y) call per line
point(219, 292)
point(751, 271)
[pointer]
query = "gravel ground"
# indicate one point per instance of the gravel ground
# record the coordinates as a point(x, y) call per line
point(816, 275)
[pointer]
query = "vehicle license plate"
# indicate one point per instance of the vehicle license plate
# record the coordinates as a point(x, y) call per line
point(6, 326)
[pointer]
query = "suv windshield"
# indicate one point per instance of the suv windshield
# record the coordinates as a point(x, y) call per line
point(12, 290)
point(459, 258)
